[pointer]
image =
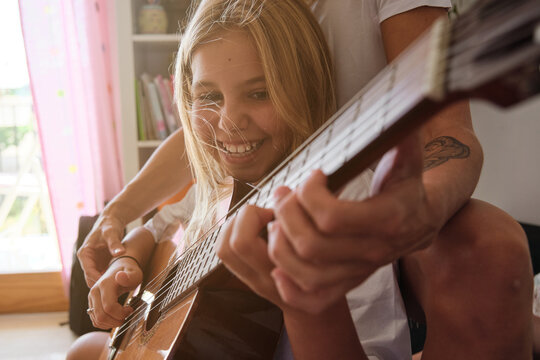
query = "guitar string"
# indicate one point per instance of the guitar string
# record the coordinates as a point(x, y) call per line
point(308, 165)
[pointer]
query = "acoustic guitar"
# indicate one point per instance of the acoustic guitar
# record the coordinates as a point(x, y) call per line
point(191, 308)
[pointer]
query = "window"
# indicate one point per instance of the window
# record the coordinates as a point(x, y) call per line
point(27, 236)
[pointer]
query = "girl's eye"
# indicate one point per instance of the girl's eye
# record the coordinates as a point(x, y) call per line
point(209, 98)
point(259, 95)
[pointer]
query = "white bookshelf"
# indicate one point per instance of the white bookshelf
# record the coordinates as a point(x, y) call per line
point(156, 38)
point(138, 53)
point(133, 54)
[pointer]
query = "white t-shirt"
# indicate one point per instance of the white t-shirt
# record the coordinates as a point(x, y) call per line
point(352, 30)
point(165, 224)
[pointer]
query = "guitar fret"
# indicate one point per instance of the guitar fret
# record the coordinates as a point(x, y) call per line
point(205, 256)
point(205, 246)
point(253, 199)
point(367, 137)
point(208, 244)
point(198, 259)
point(280, 180)
point(182, 276)
point(215, 261)
point(196, 271)
point(176, 284)
point(388, 99)
point(193, 264)
point(319, 148)
point(187, 275)
point(268, 192)
point(262, 195)
point(285, 174)
point(173, 289)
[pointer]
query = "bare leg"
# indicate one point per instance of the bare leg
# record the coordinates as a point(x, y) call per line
point(89, 346)
point(474, 284)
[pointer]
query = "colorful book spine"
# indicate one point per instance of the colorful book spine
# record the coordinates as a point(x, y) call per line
point(166, 105)
point(140, 111)
point(170, 91)
point(155, 107)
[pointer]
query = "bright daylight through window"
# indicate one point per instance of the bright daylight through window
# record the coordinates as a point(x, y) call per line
point(27, 236)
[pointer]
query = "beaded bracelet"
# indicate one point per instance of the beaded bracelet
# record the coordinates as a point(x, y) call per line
point(125, 256)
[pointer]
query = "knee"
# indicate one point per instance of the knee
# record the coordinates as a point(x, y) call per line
point(480, 272)
point(88, 346)
point(488, 246)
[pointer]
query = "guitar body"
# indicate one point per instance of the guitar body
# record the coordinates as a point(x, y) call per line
point(220, 319)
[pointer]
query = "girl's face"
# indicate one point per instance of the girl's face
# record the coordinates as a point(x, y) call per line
point(232, 111)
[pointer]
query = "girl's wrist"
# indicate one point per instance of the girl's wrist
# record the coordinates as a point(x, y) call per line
point(115, 259)
point(114, 212)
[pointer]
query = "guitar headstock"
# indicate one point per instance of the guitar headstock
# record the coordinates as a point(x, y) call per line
point(494, 51)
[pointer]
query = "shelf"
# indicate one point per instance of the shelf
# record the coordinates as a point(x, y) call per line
point(156, 38)
point(142, 144)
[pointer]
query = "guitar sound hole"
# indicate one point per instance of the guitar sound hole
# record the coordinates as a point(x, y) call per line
point(156, 305)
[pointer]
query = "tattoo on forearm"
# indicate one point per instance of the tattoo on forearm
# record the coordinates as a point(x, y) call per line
point(440, 150)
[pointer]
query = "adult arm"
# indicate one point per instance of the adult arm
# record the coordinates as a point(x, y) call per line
point(164, 174)
point(323, 246)
point(449, 135)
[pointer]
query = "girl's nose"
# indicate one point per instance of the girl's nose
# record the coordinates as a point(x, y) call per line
point(233, 118)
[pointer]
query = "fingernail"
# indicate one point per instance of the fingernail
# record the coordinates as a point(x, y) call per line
point(117, 251)
point(279, 192)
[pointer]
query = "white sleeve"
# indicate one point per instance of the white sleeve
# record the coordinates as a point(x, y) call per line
point(165, 223)
point(388, 8)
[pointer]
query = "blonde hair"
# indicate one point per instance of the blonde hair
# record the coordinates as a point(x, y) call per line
point(298, 73)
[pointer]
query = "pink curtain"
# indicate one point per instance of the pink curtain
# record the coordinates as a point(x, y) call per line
point(67, 49)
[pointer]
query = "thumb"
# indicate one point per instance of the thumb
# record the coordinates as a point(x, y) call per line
point(129, 278)
point(401, 162)
point(409, 155)
point(280, 193)
point(114, 243)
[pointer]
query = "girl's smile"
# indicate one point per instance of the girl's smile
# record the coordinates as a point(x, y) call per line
point(232, 110)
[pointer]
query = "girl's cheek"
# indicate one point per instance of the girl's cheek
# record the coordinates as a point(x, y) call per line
point(202, 121)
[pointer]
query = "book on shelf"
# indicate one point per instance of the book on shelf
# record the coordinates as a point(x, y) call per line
point(166, 104)
point(145, 122)
point(157, 117)
point(141, 128)
point(170, 92)
point(156, 113)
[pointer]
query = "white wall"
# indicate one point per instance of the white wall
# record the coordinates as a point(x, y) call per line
point(511, 141)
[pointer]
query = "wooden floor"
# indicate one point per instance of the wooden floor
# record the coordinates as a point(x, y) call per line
point(38, 336)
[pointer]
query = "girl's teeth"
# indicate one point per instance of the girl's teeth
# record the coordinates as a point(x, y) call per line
point(239, 149)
